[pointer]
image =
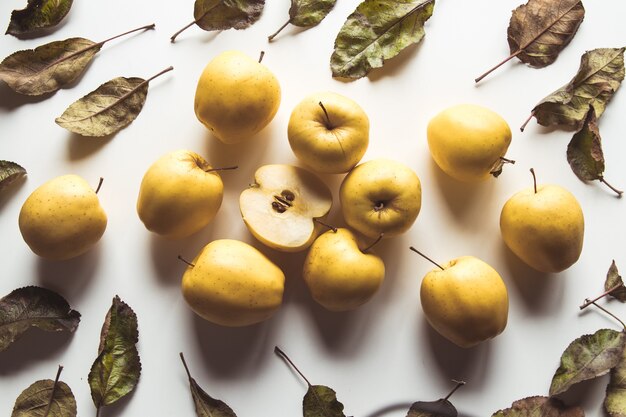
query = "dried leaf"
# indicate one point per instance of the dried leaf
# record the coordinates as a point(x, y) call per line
point(116, 370)
point(34, 307)
point(615, 284)
point(49, 67)
point(9, 173)
point(540, 407)
point(38, 14)
point(588, 357)
point(439, 408)
point(599, 76)
point(376, 31)
point(321, 401)
point(307, 13)
point(584, 152)
point(206, 406)
point(615, 400)
point(46, 398)
point(107, 109)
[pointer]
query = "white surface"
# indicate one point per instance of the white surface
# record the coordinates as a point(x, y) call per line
point(379, 358)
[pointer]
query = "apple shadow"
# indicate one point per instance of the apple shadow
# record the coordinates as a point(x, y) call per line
point(80, 147)
point(35, 345)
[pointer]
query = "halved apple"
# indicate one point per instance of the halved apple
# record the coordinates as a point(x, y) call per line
point(280, 207)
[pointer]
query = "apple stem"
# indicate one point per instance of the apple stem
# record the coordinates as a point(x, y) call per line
point(186, 261)
point(99, 185)
point(54, 388)
point(284, 356)
point(507, 160)
point(261, 55)
point(378, 239)
point(588, 302)
point(618, 192)
point(333, 228)
point(498, 65)
point(273, 35)
point(532, 171)
point(609, 313)
point(427, 258)
point(459, 384)
point(532, 113)
point(329, 125)
point(222, 168)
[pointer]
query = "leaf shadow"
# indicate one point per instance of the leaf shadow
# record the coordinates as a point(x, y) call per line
point(80, 147)
point(396, 64)
point(9, 193)
point(35, 345)
point(586, 393)
point(11, 100)
point(390, 409)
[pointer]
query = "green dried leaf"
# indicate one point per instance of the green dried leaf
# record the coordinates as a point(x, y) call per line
point(321, 401)
point(588, 357)
point(540, 407)
point(615, 400)
point(615, 284)
point(599, 76)
point(9, 173)
point(206, 406)
point(378, 30)
point(306, 13)
point(38, 14)
point(46, 398)
point(107, 109)
point(116, 370)
point(439, 408)
point(584, 152)
point(34, 307)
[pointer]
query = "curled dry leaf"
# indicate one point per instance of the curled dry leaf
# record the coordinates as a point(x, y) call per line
point(599, 76)
point(116, 370)
point(540, 407)
point(9, 173)
point(49, 67)
point(38, 14)
point(46, 398)
point(614, 284)
point(615, 400)
point(34, 307)
point(540, 29)
point(306, 14)
point(588, 357)
point(378, 30)
point(109, 108)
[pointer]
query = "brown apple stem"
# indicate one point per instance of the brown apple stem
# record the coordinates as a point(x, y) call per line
point(532, 171)
point(507, 59)
point(374, 243)
point(284, 356)
point(273, 35)
point(459, 384)
point(261, 55)
point(588, 302)
point(523, 126)
point(186, 261)
point(618, 192)
point(426, 257)
point(329, 125)
point(99, 185)
point(222, 168)
point(507, 160)
point(333, 228)
point(54, 388)
point(609, 313)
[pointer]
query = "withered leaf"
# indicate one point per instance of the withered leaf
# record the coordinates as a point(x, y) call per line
point(588, 357)
point(540, 29)
point(116, 370)
point(321, 401)
point(46, 398)
point(376, 31)
point(109, 108)
point(38, 14)
point(37, 307)
point(9, 173)
point(615, 400)
point(206, 406)
point(222, 15)
point(52, 66)
point(540, 407)
point(306, 13)
point(599, 76)
point(615, 284)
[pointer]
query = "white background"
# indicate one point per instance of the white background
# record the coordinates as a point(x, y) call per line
point(381, 357)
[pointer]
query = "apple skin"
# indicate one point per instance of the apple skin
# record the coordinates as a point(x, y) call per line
point(62, 218)
point(329, 148)
point(466, 302)
point(339, 275)
point(544, 229)
point(467, 141)
point(381, 196)
point(236, 97)
point(179, 195)
point(233, 284)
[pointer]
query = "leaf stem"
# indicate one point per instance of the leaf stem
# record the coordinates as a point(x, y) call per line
point(426, 257)
point(182, 358)
point(273, 35)
point(378, 239)
point(523, 126)
point(333, 228)
point(173, 37)
point(54, 388)
point(98, 411)
point(588, 302)
point(618, 192)
point(532, 171)
point(507, 59)
point(99, 185)
point(459, 384)
point(168, 69)
point(146, 27)
point(609, 313)
point(329, 125)
point(284, 356)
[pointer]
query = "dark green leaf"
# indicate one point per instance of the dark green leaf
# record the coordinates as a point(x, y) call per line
point(584, 152)
point(615, 400)
point(439, 408)
point(613, 280)
point(599, 76)
point(321, 401)
point(307, 13)
point(206, 406)
point(588, 357)
point(9, 172)
point(540, 407)
point(34, 307)
point(38, 14)
point(46, 398)
point(116, 370)
point(378, 30)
